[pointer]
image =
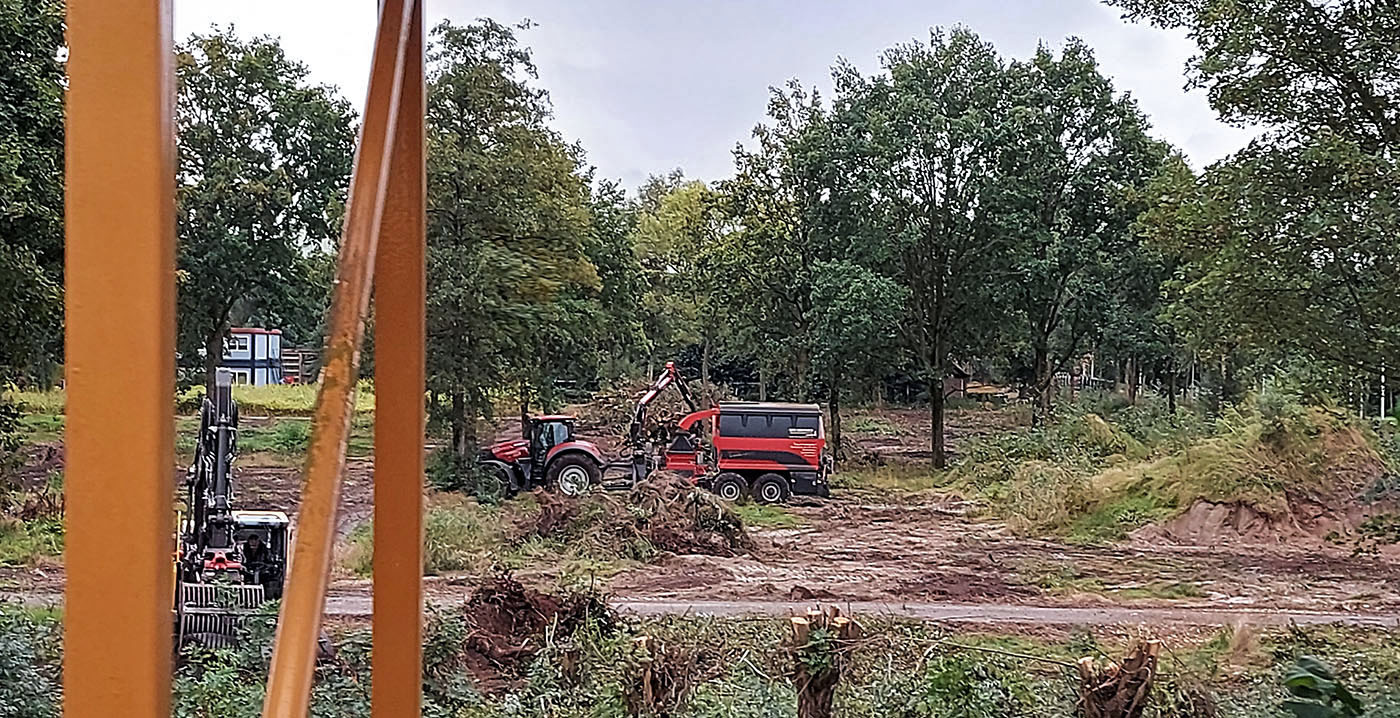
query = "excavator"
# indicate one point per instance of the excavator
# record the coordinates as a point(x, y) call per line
point(229, 562)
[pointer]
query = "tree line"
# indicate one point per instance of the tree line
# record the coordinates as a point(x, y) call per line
point(955, 207)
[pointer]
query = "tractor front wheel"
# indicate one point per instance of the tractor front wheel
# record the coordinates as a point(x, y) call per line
point(573, 474)
point(771, 489)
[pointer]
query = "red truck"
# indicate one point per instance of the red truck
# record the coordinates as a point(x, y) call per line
point(766, 451)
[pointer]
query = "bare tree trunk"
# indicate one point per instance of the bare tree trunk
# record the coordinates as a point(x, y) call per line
point(1043, 381)
point(762, 383)
point(705, 371)
point(1171, 390)
point(524, 409)
point(834, 403)
point(1133, 380)
point(213, 356)
point(936, 410)
point(463, 429)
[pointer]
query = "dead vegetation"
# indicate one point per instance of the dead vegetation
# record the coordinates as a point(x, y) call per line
point(665, 513)
point(506, 624)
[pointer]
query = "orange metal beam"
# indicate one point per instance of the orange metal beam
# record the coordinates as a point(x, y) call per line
point(119, 483)
point(399, 410)
point(294, 657)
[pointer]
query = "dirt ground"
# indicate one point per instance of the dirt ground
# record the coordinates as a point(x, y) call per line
point(917, 548)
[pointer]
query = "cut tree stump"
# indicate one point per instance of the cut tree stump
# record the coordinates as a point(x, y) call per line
point(1118, 690)
point(822, 641)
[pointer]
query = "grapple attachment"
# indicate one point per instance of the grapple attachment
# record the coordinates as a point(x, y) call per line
point(211, 613)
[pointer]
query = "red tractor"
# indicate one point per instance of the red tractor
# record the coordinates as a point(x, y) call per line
point(551, 457)
point(761, 450)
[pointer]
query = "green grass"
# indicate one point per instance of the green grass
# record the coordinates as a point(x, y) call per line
point(1095, 478)
point(891, 478)
point(873, 425)
point(25, 543)
point(271, 399)
point(768, 516)
point(1068, 582)
point(278, 441)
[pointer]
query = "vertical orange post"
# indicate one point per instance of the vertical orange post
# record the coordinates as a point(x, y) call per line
point(398, 418)
point(120, 217)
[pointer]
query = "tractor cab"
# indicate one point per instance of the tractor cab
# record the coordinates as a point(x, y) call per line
point(547, 432)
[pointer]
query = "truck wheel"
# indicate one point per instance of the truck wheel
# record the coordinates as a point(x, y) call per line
point(771, 489)
point(731, 487)
point(573, 474)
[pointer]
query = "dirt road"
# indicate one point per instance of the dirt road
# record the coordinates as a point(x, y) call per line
point(360, 606)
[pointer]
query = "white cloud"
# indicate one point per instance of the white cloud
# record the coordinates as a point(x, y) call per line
point(647, 85)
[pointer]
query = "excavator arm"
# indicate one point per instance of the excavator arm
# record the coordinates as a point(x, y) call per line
point(669, 376)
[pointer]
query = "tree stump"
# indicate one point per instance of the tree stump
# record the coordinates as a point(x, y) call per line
point(822, 642)
point(1119, 690)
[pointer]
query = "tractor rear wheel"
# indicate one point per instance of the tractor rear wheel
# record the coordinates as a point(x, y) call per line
point(573, 474)
point(771, 489)
point(731, 487)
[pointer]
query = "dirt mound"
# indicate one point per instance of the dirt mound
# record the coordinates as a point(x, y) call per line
point(506, 626)
point(666, 512)
point(1297, 520)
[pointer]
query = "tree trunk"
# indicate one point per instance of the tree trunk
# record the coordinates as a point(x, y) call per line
point(524, 409)
point(1171, 390)
point(1042, 382)
point(213, 355)
point(705, 372)
point(1133, 380)
point(463, 429)
point(762, 383)
point(834, 403)
point(936, 406)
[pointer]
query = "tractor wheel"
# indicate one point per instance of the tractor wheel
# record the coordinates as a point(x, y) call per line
point(500, 474)
point(731, 487)
point(770, 489)
point(573, 474)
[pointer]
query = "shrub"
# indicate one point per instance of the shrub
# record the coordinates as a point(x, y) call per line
point(29, 665)
point(291, 437)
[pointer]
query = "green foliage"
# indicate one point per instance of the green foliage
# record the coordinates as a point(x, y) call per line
point(1318, 693)
point(768, 516)
point(965, 685)
point(264, 165)
point(459, 534)
point(1314, 195)
point(513, 290)
point(31, 189)
point(23, 542)
point(30, 651)
point(291, 437)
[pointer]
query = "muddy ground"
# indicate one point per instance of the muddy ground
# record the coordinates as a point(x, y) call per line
point(862, 546)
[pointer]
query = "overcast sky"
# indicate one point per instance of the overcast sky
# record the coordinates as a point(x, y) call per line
point(649, 85)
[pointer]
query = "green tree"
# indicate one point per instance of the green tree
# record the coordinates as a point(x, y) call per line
point(264, 164)
point(1290, 242)
point(1082, 157)
point(509, 229)
point(31, 188)
point(674, 238)
point(855, 330)
point(929, 145)
point(781, 230)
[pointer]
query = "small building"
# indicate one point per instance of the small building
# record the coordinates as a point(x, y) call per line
point(254, 356)
point(955, 381)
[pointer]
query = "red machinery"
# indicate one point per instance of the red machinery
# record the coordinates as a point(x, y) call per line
point(764, 450)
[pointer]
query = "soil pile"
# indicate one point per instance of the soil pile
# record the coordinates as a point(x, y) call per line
point(665, 513)
point(507, 624)
point(1315, 477)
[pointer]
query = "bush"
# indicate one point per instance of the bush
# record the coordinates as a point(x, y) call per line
point(30, 650)
point(291, 437)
